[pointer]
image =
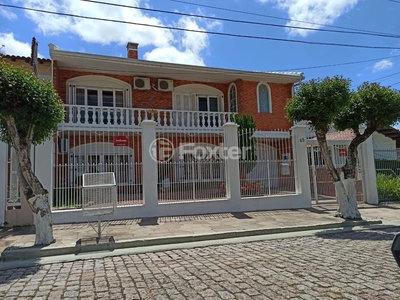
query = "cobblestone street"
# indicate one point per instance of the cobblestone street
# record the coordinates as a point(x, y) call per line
point(356, 265)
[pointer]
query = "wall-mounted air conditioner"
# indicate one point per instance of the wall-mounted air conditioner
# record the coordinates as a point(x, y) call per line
point(165, 85)
point(140, 83)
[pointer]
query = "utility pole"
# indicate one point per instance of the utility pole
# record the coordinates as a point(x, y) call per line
point(34, 54)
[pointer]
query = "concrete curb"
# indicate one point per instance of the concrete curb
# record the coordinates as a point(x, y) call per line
point(36, 252)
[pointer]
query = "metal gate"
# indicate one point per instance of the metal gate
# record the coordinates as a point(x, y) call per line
point(322, 187)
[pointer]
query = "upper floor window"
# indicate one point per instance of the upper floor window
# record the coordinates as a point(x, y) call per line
point(196, 97)
point(232, 98)
point(264, 98)
point(99, 91)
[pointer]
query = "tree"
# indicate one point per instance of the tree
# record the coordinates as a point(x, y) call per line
point(246, 130)
point(329, 101)
point(29, 112)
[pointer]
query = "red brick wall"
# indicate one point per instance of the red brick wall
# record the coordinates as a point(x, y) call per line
point(246, 95)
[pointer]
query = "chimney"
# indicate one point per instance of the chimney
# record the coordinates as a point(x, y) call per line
point(132, 50)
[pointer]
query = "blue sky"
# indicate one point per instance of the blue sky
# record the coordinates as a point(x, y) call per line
point(17, 27)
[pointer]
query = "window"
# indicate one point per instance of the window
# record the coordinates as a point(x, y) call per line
point(264, 98)
point(101, 91)
point(97, 97)
point(232, 98)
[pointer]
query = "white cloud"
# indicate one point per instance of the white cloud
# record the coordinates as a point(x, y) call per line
point(13, 46)
point(8, 14)
point(316, 11)
point(169, 45)
point(382, 65)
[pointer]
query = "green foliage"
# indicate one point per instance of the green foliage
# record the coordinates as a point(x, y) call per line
point(319, 101)
point(388, 188)
point(31, 102)
point(246, 130)
point(373, 105)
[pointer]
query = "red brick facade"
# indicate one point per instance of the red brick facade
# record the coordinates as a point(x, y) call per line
point(246, 96)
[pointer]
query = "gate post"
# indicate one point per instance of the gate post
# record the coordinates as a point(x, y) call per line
point(301, 169)
point(149, 166)
point(43, 166)
point(232, 164)
point(3, 181)
point(368, 172)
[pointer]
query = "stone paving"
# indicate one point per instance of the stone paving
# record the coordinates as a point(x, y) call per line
point(355, 265)
point(68, 234)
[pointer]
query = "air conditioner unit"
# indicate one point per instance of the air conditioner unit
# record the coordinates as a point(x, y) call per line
point(165, 85)
point(64, 145)
point(140, 83)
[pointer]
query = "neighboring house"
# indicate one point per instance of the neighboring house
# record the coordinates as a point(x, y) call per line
point(106, 98)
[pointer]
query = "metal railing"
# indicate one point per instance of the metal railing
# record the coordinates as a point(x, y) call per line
point(97, 116)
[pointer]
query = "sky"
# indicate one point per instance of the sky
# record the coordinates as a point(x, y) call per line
point(17, 27)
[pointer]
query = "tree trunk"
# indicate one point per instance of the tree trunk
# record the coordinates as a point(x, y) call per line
point(346, 196)
point(33, 190)
point(43, 219)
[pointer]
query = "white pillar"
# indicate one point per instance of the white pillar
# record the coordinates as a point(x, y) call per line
point(301, 169)
point(43, 165)
point(232, 163)
point(368, 172)
point(149, 165)
point(3, 181)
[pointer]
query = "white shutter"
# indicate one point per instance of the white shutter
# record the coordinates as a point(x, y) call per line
point(221, 103)
point(193, 102)
point(177, 104)
point(186, 102)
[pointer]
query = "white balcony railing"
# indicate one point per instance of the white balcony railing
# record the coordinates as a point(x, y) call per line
point(95, 116)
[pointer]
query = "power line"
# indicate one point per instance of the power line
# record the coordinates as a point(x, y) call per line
point(394, 84)
point(339, 64)
point(279, 18)
point(242, 21)
point(394, 1)
point(386, 77)
point(202, 31)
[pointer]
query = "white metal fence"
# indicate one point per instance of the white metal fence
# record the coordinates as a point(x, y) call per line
point(267, 167)
point(191, 166)
point(80, 151)
point(322, 187)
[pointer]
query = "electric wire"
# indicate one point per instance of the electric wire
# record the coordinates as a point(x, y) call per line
point(203, 31)
point(240, 21)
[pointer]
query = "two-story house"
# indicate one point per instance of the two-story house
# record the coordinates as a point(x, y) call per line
point(106, 99)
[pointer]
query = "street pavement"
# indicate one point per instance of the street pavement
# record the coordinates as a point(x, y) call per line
point(341, 265)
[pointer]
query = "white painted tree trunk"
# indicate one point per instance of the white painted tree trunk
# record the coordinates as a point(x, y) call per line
point(42, 218)
point(346, 196)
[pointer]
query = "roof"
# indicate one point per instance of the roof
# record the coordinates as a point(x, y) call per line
point(126, 66)
point(25, 58)
point(392, 133)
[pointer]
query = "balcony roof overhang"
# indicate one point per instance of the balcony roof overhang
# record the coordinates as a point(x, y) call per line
point(67, 60)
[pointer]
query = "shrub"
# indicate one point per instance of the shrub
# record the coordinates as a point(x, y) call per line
point(388, 188)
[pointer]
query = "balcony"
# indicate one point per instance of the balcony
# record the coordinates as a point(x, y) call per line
point(111, 118)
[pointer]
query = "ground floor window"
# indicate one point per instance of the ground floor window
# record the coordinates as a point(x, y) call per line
point(120, 164)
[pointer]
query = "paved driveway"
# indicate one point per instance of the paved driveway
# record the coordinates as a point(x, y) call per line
point(356, 265)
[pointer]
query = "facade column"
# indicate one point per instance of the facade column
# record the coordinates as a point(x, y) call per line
point(149, 165)
point(43, 165)
point(368, 172)
point(3, 181)
point(232, 156)
point(301, 169)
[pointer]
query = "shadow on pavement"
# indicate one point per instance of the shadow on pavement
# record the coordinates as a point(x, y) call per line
point(384, 234)
point(11, 275)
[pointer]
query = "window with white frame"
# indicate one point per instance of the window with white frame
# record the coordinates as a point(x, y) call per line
point(99, 91)
point(232, 98)
point(264, 98)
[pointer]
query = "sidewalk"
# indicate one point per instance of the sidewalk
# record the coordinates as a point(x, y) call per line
point(18, 242)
